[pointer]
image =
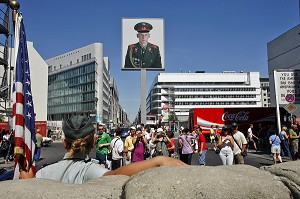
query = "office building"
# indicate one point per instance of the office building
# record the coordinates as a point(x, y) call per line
point(79, 83)
point(179, 92)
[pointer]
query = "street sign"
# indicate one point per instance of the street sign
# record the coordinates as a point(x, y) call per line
point(290, 108)
point(290, 97)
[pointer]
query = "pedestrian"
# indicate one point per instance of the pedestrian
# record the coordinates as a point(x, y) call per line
point(225, 144)
point(212, 136)
point(6, 146)
point(160, 140)
point(117, 147)
point(102, 145)
point(275, 146)
point(171, 144)
point(128, 146)
point(294, 137)
point(201, 146)
point(250, 137)
point(139, 143)
point(39, 141)
point(77, 168)
point(240, 144)
point(187, 149)
point(261, 134)
point(284, 144)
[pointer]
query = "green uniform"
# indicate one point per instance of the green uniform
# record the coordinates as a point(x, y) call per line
point(147, 57)
point(103, 139)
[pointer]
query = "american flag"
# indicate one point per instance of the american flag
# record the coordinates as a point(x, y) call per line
point(23, 111)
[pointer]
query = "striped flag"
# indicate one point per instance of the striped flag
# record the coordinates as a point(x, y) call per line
point(23, 111)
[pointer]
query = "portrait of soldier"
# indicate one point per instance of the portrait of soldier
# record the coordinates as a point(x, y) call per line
point(143, 54)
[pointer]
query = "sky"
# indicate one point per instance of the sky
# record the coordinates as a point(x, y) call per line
point(200, 35)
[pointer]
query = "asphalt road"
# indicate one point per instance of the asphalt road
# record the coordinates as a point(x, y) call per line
point(56, 151)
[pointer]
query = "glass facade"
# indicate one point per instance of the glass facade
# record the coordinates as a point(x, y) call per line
point(72, 91)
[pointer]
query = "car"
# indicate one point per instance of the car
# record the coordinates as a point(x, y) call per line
point(47, 141)
point(112, 132)
point(124, 133)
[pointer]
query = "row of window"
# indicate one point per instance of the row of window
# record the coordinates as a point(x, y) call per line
point(83, 97)
point(73, 90)
point(212, 89)
point(89, 68)
point(215, 103)
point(201, 83)
point(77, 107)
point(215, 96)
point(86, 57)
point(72, 81)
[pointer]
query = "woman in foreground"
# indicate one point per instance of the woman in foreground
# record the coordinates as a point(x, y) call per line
point(77, 168)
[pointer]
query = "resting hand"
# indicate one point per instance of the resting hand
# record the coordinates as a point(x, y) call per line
point(24, 174)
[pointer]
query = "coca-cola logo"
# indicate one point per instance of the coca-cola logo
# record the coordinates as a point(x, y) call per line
point(240, 116)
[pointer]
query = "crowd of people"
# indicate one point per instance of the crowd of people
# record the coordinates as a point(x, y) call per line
point(146, 147)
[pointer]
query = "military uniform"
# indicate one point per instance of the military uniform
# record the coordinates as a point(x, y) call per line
point(143, 57)
point(147, 57)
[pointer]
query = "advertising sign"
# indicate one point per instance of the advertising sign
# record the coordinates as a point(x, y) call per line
point(288, 86)
point(143, 44)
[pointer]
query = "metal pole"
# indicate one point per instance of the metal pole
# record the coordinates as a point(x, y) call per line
point(143, 96)
point(277, 101)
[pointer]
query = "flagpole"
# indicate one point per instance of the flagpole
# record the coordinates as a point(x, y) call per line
point(14, 5)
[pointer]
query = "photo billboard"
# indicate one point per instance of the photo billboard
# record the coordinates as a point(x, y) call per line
point(143, 45)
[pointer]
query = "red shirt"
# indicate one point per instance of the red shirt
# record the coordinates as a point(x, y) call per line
point(170, 144)
point(201, 139)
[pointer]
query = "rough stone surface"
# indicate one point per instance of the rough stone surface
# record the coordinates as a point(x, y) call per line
point(100, 188)
point(289, 174)
point(237, 181)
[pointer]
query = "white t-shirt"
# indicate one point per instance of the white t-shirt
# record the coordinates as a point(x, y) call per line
point(240, 140)
point(117, 146)
point(250, 133)
point(75, 171)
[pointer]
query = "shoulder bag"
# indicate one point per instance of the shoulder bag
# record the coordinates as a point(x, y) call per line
point(109, 154)
point(244, 153)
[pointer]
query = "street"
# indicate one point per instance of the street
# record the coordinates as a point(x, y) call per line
point(56, 151)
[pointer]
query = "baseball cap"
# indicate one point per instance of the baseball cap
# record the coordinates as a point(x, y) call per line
point(133, 128)
point(224, 128)
point(78, 127)
point(234, 124)
point(160, 130)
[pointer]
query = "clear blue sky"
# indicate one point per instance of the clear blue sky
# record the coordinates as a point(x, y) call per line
point(209, 35)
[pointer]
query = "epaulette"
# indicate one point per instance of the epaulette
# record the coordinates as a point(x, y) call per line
point(153, 46)
point(132, 46)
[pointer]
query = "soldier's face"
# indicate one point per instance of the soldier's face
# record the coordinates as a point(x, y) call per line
point(143, 37)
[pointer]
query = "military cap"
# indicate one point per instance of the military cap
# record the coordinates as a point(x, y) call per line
point(143, 27)
point(78, 127)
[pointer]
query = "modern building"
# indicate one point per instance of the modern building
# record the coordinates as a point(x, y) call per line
point(283, 54)
point(39, 88)
point(179, 92)
point(265, 92)
point(79, 83)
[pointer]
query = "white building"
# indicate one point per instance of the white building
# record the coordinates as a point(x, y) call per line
point(79, 84)
point(39, 86)
point(180, 92)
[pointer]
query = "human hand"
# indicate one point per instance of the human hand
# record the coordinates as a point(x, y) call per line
point(200, 152)
point(24, 174)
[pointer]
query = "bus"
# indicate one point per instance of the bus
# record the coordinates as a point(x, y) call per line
point(266, 116)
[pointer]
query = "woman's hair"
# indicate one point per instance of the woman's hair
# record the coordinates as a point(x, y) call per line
point(284, 128)
point(80, 145)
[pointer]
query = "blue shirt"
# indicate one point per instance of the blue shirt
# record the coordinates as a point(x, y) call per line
point(275, 140)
